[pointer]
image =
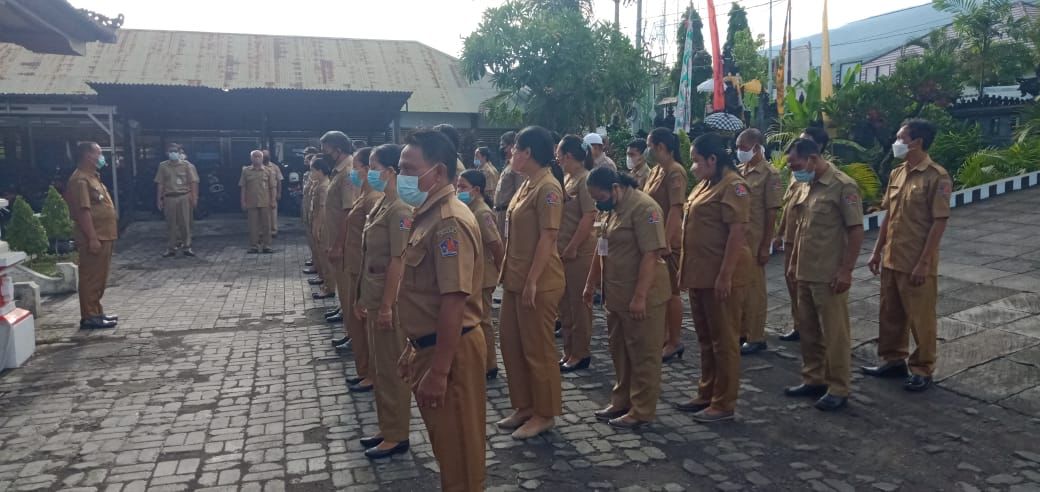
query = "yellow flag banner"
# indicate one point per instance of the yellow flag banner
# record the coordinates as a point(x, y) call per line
point(826, 75)
point(781, 68)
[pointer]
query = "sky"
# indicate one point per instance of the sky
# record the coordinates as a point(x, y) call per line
point(443, 24)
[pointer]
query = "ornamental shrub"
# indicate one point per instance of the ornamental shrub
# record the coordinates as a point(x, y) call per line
point(25, 232)
point(55, 216)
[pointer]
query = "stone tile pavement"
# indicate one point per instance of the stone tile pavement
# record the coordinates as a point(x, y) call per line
point(220, 377)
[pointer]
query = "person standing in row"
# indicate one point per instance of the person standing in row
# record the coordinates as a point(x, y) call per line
point(533, 280)
point(508, 182)
point(635, 285)
point(907, 258)
point(482, 162)
point(764, 193)
point(667, 185)
point(385, 237)
point(95, 233)
point(338, 151)
point(439, 307)
point(257, 199)
point(716, 270)
point(635, 160)
point(177, 195)
point(276, 173)
point(320, 172)
point(830, 233)
point(456, 140)
point(576, 244)
point(471, 186)
point(305, 211)
point(594, 142)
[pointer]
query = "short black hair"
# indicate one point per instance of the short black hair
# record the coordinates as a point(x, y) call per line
point(82, 149)
point(436, 148)
point(359, 144)
point(339, 141)
point(319, 164)
point(754, 134)
point(804, 148)
point(311, 150)
point(923, 129)
point(540, 142)
point(451, 132)
point(389, 155)
point(507, 138)
point(818, 135)
point(362, 155)
point(638, 144)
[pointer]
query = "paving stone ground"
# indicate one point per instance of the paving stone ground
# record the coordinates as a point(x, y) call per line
point(220, 377)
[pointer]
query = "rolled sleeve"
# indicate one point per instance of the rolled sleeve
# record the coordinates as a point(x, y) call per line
point(550, 208)
point(941, 198)
point(649, 229)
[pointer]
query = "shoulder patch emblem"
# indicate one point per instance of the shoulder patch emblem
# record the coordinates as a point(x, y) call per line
point(446, 231)
point(490, 220)
point(851, 199)
point(945, 189)
point(449, 247)
point(406, 224)
point(654, 218)
point(741, 189)
point(552, 198)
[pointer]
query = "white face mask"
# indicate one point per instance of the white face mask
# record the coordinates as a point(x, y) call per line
point(745, 156)
point(900, 149)
point(174, 156)
point(630, 162)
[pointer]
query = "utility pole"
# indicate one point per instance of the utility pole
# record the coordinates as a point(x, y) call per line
point(617, 14)
point(639, 25)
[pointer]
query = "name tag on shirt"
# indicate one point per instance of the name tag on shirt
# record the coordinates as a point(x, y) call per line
point(601, 247)
point(507, 227)
point(180, 181)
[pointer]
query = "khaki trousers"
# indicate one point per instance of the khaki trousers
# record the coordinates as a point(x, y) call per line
point(792, 286)
point(458, 430)
point(718, 335)
point(908, 310)
point(177, 210)
point(322, 262)
point(823, 322)
point(274, 219)
point(259, 229)
point(487, 325)
point(635, 347)
point(500, 217)
point(529, 352)
point(347, 291)
point(93, 275)
point(393, 396)
point(575, 316)
point(753, 312)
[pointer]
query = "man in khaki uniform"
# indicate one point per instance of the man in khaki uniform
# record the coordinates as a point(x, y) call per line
point(439, 306)
point(257, 199)
point(95, 233)
point(305, 210)
point(907, 257)
point(828, 240)
point(276, 173)
point(177, 195)
point(764, 188)
point(339, 151)
point(508, 182)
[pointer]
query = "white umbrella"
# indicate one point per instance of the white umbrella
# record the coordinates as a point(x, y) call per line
point(707, 87)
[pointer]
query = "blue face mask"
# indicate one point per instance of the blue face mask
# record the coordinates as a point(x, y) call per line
point(375, 181)
point(465, 197)
point(476, 163)
point(804, 176)
point(101, 163)
point(408, 189)
point(355, 178)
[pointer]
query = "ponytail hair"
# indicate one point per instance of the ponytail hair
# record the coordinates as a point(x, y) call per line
point(670, 141)
point(713, 144)
point(605, 178)
point(574, 146)
point(475, 177)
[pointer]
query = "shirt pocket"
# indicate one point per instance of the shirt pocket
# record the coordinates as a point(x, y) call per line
point(823, 213)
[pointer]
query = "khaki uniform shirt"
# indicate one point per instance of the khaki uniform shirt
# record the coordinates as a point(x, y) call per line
point(259, 186)
point(442, 257)
point(385, 236)
point(357, 217)
point(710, 212)
point(176, 177)
point(488, 235)
point(915, 198)
point(490, 180)
point(320, 190)
point(276, 173)
point(634, 228)
point(792, 213)
point(308, 194)
point(537, 206)
point(508, 182)
point(667, 186)
point(641, 173)
point(830, 205)
point(763, 182)
point(604, 161)
point(85, 190)
point(340, 199)
point(576, 202)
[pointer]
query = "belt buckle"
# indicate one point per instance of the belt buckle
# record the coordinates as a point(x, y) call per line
point(413, 342)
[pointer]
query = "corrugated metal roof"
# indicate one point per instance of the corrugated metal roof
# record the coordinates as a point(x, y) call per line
point(237, 61)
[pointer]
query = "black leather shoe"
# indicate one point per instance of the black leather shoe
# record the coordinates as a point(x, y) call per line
point(332, 312)
point(357, 388)
point(830, 403)
point(189, 252)
point(340, 341)
point(793, 336)
point(308, 263)
point(253, 251)
point(677, 354)
point(353, 381)
point(743, 340)
point(582, 364)
point(691, 406)
point(267, 251)
point(309, 271)
point(335, 318)
point(917, 383)
point(376, 453)
point(491, 374)
point(169, 253)
point(890, 369)
point(371, 442)
point(110, 317)
point(753, 347)
point(315, 281)
point(811, 390)
point(606, 416)
point(96, 323)
point(344, 347)
point(319, 295)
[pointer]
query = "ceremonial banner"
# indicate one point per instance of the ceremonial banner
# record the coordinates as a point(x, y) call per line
point(682, 110)
point(719, 95)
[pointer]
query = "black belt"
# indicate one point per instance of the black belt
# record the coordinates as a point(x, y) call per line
point(501, 208)
point(175, 194)
point(430, 340)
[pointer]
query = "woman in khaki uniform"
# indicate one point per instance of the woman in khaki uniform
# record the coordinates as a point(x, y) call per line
point(635, 161)
point(384, 240)
point(635, 280)
point(576, 244)
point(533, 280)
point(320, 191)
point(482, 163)
point(667, 186)
point(471, 192)
point(716, 268)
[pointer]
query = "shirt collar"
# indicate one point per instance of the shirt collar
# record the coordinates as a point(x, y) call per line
point(435, 198)
point(921, 166)
point(827, 176)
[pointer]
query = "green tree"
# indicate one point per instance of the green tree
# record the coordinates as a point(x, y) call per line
point(25, 232)
point(738, 24)
point(553, 66)
point(700, 69)
point(990, 51)
point(55, 216)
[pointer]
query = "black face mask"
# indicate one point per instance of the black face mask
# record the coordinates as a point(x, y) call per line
point(606, 206)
